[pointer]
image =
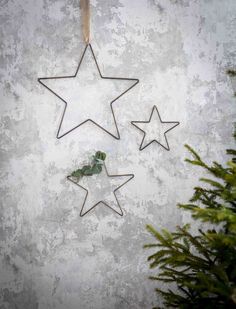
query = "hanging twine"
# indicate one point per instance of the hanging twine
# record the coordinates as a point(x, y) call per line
point(85, 11)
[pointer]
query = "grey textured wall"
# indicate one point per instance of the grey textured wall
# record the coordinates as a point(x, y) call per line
point(50, 257)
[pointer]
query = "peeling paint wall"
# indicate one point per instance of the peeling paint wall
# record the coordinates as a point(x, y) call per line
point(50, 257)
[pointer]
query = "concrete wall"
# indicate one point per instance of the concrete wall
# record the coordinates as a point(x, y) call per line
point(50, 257)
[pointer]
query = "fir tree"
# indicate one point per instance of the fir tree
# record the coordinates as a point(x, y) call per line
point(203, 265)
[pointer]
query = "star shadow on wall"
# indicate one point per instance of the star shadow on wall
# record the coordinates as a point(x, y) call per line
point(155, 130)
point(101, 189)
point(81, 96)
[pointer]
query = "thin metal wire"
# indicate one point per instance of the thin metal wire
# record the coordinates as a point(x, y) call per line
point(103, 77)
point(154, 140)
point(70, 178)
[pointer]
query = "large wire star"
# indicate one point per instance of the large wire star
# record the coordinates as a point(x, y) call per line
point(154, 130)
point(86, 94)
point(101, 189)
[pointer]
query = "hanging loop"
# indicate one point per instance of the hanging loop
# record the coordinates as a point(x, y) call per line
point(85, 12)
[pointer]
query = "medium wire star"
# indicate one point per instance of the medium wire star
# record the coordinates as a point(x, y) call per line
point(155, 129)
point(101, 189)
point(86, 94)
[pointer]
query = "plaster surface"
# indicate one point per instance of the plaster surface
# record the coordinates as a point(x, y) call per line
point(50, 257)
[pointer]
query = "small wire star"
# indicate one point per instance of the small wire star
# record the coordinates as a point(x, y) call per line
point(154, 130)
point(101, 189)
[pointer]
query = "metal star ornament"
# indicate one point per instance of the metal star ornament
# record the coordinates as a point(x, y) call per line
point(101, 189)
point(88, 96)
point(155, 130)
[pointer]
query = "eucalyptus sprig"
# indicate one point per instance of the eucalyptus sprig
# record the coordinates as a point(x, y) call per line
point(94, 168)
point(231, 73)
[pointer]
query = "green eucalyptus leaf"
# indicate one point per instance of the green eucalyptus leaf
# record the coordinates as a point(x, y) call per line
point(89, 170)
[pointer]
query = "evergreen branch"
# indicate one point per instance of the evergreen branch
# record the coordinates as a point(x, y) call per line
point(203, 266)
point(212, 183)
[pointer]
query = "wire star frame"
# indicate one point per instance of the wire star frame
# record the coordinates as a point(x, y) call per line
point(70, 178)
point(136, 81)
point(176, 123)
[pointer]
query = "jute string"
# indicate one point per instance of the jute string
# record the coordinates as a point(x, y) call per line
point(85, 11)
